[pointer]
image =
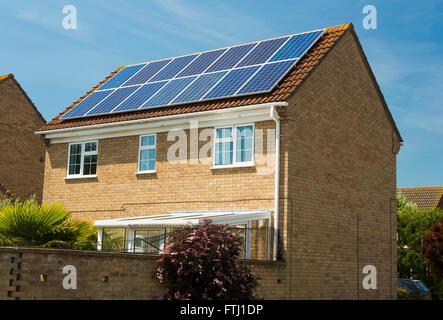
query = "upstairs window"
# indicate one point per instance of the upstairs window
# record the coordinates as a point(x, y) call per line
point(234, 146)
point(147, 154)
point(82, 159)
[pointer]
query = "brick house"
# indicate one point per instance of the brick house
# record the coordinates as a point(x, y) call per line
point(426, 198)
point(21, 151)
point(323, 139)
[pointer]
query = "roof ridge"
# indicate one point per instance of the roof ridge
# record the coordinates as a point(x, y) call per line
point(236, 45)
point(416, 188)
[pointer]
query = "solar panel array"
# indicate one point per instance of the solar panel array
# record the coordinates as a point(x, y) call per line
point(234, 71)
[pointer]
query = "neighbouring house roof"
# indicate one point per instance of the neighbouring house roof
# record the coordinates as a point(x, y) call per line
point(11, 76)
point(282, 92)
point(426, 198)
point(188, 218)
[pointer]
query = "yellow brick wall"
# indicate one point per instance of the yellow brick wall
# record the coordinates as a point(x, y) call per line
point(21, 170)
point(341, 170)
point(119, 192)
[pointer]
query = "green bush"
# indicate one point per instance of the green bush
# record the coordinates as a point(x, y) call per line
point(412, 225)
point(31, 224)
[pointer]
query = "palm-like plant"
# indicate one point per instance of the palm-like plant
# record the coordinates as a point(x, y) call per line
point(29, 223)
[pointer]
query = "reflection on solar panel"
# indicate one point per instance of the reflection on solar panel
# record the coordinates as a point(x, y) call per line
point(87, 104)
point(296, 46)
point(265, 78)
point(174, 67)
point(201, 63)
point(231, 57)
point(168, 92)
point(231, 82)
point(113, 100)
point(199, 87)
point(147, 72)
point(121, 77)
point(140, 96)
point(239, 70)
point(262, 52)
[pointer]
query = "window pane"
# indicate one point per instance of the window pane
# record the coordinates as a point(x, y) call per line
point(90, 146)
point(148, 141)
point(143, 166)
point(147, 160)
point(244, 144)
point(75, 158)
point(224, 133)
point(224, 153)
point(90, 165)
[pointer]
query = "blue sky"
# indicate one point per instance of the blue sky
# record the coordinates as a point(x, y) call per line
point(57, 66)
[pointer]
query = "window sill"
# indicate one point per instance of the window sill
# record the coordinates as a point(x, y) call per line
point(81, 177)
point(145, 172)
point(237, 165)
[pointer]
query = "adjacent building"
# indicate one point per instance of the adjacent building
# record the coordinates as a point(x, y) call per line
point(22, 152)
point(426, 198)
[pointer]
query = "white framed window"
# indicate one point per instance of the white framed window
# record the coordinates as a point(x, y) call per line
point(82, 159)
point(234, 146)
point(147, 152)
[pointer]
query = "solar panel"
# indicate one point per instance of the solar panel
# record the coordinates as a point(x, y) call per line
point(227, 72)
point(199, 87)
point(201, 63)
point(140, 96)
point(168, 92)
point(262, 52)
point(113, 100)
point(296, 46)
point(231, 82)
point(121, 77)
point(266, 77)
point(231, 57)
point(85, 105)
point(147, 72)
point(174, 67)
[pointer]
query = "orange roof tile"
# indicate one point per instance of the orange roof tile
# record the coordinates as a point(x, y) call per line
point(426, 198)
point(281, 92)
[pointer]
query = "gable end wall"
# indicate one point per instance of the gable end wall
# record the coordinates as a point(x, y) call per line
point(337, 152)
point(21, 170)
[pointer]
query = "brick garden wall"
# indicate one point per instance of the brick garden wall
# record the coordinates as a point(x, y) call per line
point(21, 151)
point(118, 192)
point(127, 276)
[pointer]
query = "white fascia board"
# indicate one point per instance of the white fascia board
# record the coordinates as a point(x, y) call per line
point(228, 116)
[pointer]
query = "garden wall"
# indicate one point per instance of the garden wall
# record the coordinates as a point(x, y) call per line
point(36, 273)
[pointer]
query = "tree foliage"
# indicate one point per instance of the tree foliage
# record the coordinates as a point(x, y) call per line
point(31, 224)
point(412, 225)
point(432, 248)
point(202, 263)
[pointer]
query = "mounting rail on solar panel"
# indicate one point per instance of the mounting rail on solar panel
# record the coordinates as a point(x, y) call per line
point(251, 68)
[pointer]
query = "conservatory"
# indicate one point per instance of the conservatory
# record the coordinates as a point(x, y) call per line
point(150, 234)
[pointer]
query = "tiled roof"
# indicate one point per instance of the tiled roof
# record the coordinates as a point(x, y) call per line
point(426, 198)
point(281, 92)
point(9, 75)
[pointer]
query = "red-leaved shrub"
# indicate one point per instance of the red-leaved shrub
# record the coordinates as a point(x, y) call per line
point(202, 263)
